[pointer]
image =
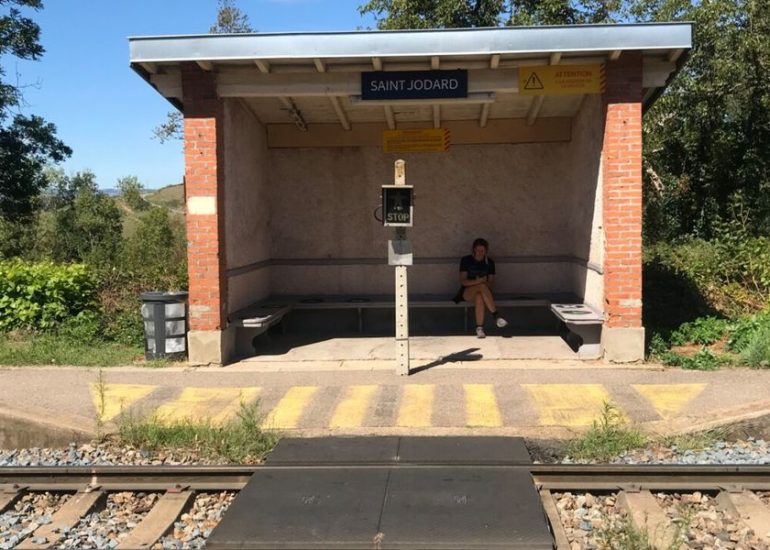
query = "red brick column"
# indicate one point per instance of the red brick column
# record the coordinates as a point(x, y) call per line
point(203, 115)
point(622, 192)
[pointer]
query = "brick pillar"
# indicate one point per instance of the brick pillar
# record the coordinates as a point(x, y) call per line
point(622, 196)
point(204, 189)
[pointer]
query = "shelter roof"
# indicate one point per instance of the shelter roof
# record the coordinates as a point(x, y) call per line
point(315, 77)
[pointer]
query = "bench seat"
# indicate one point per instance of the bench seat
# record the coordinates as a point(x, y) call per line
point(585, 322)
point(581, 320)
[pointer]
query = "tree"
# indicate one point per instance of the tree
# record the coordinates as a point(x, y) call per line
point(230, 20)
point(131, 191)
point(429, 14)
point(85, 223)
point(26, 143)
point(707, 137)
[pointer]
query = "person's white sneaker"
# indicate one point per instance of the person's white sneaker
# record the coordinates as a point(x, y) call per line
point(501, 323)
point(480, 332)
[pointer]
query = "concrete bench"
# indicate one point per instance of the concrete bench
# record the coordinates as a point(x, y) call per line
point(584, 322)
point(258, 317)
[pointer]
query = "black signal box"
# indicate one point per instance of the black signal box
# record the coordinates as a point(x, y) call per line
point(397, 205)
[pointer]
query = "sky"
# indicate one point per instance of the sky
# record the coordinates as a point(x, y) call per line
point(102, 109)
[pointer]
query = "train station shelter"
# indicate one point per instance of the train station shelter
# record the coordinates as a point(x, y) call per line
point(529, 137)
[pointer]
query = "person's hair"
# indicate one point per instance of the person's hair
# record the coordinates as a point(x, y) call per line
point(480, 242)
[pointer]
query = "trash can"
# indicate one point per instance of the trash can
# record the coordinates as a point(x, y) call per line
point(165, 324)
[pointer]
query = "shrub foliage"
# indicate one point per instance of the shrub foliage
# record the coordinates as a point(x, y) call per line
point(39, 296)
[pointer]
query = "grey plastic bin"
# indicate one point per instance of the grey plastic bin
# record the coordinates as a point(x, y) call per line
point(164, 315)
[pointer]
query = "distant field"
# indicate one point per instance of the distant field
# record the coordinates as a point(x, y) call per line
point(172, 197)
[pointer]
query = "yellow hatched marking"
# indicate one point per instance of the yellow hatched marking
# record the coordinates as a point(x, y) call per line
point(215, 405)
point(289, 409)
point(669, 399)
point(112, 399)
point(351, 410)
point(481, 405)
point(416, 410)
point(570, 405)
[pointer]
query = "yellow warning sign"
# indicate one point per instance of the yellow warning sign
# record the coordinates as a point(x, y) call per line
point(561, 79)
point(423, 140)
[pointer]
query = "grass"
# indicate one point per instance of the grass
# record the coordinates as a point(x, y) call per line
point(694, 441)
point(607, 437)
point(622, 534)
point(241, 440)
point(51, 349)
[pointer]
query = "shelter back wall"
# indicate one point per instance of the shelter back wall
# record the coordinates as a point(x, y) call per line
point(520, 197)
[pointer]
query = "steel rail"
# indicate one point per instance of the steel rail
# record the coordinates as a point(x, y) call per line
point(554, 477)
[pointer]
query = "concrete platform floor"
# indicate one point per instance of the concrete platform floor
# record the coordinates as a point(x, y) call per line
point(531, 398)
point(289, 347)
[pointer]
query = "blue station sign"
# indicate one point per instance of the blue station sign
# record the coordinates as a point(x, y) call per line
point(383, 85)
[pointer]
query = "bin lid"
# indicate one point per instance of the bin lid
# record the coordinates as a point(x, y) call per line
point(157, 296)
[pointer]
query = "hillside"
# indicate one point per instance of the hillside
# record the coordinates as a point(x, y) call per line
point(171, 196)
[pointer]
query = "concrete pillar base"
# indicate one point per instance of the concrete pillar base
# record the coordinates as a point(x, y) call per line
point(623, 344)
point(206, 347)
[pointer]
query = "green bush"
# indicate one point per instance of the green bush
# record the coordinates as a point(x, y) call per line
point(757, 351)
point(703, 360)
point(746, 329)
point(704, 331)
point(39, 296)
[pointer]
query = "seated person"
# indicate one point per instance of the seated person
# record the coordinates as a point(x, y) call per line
point(477, 273)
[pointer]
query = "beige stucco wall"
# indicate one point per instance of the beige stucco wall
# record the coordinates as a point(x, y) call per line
point(586, 191)
point(523, 198)
point(247, 210)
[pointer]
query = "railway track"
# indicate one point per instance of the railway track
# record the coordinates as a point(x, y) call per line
point(636, 491)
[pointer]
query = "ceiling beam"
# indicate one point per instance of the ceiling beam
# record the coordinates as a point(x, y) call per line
point(294, 113)
point(264, 66)
point(494, 61)
point(484, 115)
point(377, 63)
point(390, 117)
point(615, 55)
point(437, 116)
point(246, 83)
point(319, 65)
point(647, 94)
point(675, 54)
point(340, 112)
point(555, 58)
point(435, 62)
point(205, 65)
point(534, 109)
point(151, 68)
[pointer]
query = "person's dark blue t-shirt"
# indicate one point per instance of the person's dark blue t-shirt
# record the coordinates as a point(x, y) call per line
point(475, 268)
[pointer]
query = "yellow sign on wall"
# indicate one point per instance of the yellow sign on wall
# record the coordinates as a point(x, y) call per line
point(423, 140)
point(561, 79)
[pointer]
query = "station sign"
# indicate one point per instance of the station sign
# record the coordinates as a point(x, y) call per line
point(418, 140)
point(389, 85)
point(561, 79)
point(397, 205)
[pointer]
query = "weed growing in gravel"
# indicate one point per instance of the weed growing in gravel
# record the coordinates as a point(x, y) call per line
point(240, 440)
point(694, 441)
point(101, 391)
point(608, 436)
point(622, 534)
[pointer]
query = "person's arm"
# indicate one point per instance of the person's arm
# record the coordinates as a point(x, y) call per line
point(465, 281)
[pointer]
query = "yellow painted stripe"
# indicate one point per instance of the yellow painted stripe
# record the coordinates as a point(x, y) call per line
point(290, 408)
point(481, 405)
point(416, 410)
point(669, 399)
point(215, 405)
point(571, 405)
point(112, 399)
point(352, 409)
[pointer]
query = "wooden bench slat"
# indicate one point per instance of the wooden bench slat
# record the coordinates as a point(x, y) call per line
point(158, 521)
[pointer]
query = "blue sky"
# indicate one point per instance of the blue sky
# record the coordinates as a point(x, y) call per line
point(101, 108)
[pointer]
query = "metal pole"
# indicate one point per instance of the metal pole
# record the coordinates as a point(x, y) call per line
point(402, 294)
